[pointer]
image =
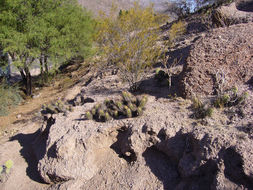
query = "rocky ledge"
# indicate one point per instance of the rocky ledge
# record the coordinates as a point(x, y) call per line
point(163, 149)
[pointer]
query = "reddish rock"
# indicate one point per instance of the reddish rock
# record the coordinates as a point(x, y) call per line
point(229, 49)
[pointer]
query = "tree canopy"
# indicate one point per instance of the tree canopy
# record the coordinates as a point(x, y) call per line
point(43, 30)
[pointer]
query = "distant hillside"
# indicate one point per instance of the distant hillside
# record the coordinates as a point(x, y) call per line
point(104, 5)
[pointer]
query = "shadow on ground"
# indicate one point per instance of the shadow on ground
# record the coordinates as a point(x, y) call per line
point(162, 167)
point(25, 140)
point(246, 6)
point(34, 149)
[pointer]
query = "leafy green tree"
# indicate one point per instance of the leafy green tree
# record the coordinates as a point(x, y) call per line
point(43, 30)
point(129, 42)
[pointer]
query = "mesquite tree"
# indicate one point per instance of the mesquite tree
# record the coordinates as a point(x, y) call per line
point(42, 30)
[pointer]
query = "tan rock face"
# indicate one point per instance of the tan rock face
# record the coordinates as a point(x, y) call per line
point(163, 149)
point(229, 49)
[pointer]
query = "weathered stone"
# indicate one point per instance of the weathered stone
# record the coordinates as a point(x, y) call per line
point(228, 50)
point(159, 150)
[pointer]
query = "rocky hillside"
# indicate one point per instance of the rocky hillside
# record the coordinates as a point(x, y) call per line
point(105, 5)
point(173, 142)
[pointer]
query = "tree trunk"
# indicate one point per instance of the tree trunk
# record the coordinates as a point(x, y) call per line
point(41, 66)
point(46, 64)
point(9, 67)
point(28, 81)
point(22, 75)
point(46, 69)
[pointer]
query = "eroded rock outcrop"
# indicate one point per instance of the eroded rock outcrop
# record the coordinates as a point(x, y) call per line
point(228, 50)
point(234, 13)
point(163, 149)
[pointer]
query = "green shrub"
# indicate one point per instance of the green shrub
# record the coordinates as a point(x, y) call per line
point(129, 106)
point(231, 98)
point(201, 110)
point(9, 97)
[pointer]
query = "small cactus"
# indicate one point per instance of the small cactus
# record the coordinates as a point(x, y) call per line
point(242, 98)
point(126, 96)
point(89, 115)
point(93, 111)
point(97, 106)
point(107, 101)
point(107, 116)
point(119, 105)
point(225, 99)
point(139, 111)
point(101, 114)
point(126, 107)
point(143, 101)
point(116, 114)
point(128, 113)
point(157, 71)
point(235, 90)
point(197, 104)
point(132, 107)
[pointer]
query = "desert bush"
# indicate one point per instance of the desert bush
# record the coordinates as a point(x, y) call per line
point(127, 107)
point(129, 42)
point(9, 97)
point(177, 29)
point(201, 110)
point(230, 98)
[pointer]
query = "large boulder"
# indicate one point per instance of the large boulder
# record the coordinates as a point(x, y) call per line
point(233, 13)
point(228, 50)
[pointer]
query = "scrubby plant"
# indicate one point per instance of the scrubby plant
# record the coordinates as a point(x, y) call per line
point(8, 165)
point(9, 97)
point(177, 29)
point(230, 98)
point(201, 110)
point(128, 42)
point(127, 107)
point(55, 108)
point(5, 169)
